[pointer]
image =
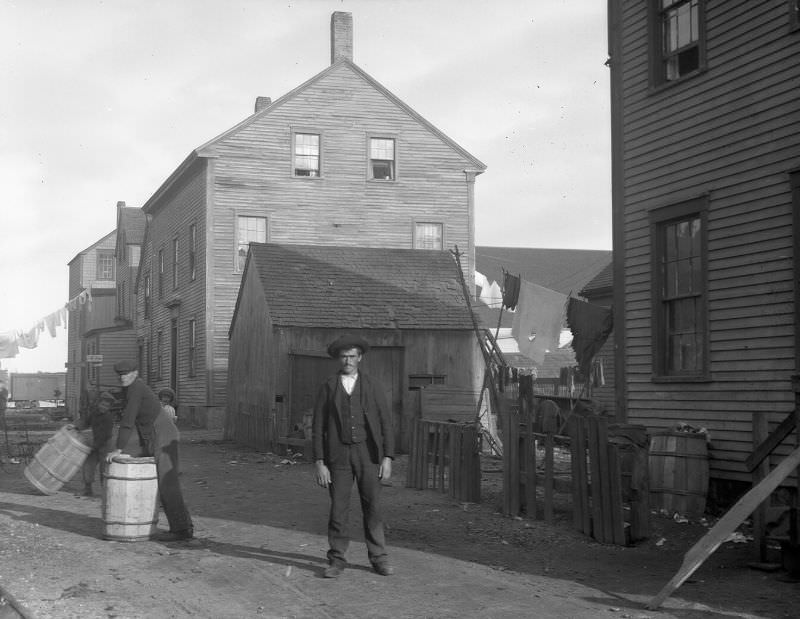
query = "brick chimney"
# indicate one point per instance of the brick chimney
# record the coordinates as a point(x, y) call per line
point(341, 36)
point(262, 102)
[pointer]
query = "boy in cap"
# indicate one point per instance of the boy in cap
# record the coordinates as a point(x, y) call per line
point(158, 437)
point(353, 439)
point(101, 421)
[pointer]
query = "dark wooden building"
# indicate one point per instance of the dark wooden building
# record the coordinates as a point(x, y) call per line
point(706, 192)
point(295, 299)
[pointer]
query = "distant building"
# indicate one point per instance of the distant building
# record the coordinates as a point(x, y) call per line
point(100, 326)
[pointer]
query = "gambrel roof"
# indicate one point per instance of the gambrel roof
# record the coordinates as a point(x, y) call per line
point(208, 149)
point(359, 287)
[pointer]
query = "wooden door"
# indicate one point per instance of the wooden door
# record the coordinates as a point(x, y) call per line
point(385, 365)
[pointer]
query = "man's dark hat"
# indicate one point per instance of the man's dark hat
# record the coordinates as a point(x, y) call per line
point(105, 395)
point(123, 367)
point(167, 391)
point(346, 342)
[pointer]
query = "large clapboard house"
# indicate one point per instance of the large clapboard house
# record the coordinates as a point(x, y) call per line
point(338, 161)
point(706, 191)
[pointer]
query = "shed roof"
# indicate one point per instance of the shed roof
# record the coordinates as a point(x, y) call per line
point(563, 270)
point(360, 287)
point(603, 282)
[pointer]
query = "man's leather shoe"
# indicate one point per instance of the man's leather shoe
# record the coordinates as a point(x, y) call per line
point(334, 570)
point(383, 568)
point(176, 536)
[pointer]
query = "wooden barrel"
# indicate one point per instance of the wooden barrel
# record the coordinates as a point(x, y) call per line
point(130, 499)
point(678, 466)
point(57, 461)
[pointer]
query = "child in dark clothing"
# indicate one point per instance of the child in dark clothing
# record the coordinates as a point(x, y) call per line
point(101, 421)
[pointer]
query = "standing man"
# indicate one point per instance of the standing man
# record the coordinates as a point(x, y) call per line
point(101, 421)
point(353, 439)
point(158, 437)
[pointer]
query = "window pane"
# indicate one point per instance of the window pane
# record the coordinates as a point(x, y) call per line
point(428, 236)
point(306, 154)
point(249, 230)
point(381, 154)
point(381, 148)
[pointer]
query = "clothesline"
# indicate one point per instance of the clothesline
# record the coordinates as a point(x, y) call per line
point(12, 341)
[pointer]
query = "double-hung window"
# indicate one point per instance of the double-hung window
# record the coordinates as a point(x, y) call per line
point(105, 265)
point(428, 235)
point(248, 230)
point(192, 339)
point(381, 159)
point(192, 252)
point(147, 295)
point(175, 263)
point(680, 292)
point(678, 46)
point(160, 273)
point(306, 154)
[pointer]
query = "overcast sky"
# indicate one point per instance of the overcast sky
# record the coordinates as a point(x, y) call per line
point(102, 100)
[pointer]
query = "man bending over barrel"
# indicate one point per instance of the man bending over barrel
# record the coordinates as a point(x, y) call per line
point(158, 437)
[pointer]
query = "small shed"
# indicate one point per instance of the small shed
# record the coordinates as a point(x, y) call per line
point(295, 299)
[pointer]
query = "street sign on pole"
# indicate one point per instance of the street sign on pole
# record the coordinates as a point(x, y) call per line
point(94, 358)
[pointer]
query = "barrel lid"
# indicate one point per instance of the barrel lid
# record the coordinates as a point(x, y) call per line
point(125, 459)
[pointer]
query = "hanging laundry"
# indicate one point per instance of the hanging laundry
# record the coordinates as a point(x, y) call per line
point(51, 322)
point(537, 320)
point(8, 345)
point(510, 290)
point(480, 280)
point(590, 325)
point(28, 339)
point(492, 295)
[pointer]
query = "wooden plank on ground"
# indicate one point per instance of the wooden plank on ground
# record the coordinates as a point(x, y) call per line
point(726, 525)
point(767, 446)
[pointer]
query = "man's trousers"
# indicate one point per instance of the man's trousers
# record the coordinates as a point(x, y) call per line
point(364, 472)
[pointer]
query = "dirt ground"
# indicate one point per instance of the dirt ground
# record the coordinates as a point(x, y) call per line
point(260, 516)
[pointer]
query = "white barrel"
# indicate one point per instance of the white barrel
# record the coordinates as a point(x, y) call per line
point(130, 499)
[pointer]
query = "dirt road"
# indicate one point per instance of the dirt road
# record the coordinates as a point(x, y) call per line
point(260, 552)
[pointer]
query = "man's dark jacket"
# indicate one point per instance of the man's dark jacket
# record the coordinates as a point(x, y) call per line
point(327, 422)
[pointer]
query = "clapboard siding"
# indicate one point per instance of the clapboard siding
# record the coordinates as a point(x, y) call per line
point(247, 171)
point(183, 206)
point(730, 133)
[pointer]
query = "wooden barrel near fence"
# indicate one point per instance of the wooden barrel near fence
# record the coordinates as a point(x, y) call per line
point(130, 499)
point(57, 461)
point(678, 466)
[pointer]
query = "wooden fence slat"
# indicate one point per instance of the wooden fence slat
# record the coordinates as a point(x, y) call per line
point(605, 479)
point(530, 471)
point(615, 495)
point(549, 454)
point(594, 481)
